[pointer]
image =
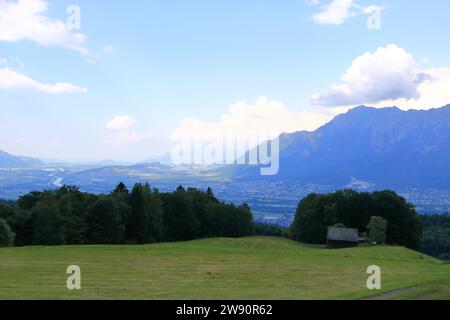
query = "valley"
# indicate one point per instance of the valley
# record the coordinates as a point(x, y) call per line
point(365, 149)
point(272, 201)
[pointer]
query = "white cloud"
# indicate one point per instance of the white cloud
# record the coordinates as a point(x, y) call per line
point(433, 92)
point(387, 77)
point(122, 126)
point(387, 74)
point(26, 20)
point(312, 2)
point(265, 118)
point(121, 123)
point(12, 80)
point(338, 11)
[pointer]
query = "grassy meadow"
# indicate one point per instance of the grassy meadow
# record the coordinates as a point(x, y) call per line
point(220, 268)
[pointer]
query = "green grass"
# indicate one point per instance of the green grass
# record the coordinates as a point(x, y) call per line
point(248, 268)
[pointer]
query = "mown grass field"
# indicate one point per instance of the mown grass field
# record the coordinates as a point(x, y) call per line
point(248, 268)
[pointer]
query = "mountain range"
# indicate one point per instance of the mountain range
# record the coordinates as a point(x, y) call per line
point(384, 147)
point(365, 147)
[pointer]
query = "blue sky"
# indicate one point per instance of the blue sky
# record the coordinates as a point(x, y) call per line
point(147, 66)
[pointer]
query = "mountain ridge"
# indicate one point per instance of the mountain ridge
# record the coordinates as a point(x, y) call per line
point(381, 146)
point(8, 160)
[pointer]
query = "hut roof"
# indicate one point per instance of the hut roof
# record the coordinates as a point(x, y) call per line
point(343, 234)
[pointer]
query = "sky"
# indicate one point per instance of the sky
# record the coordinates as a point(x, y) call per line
point(124, 80)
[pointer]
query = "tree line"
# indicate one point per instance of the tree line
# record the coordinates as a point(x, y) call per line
point(352, 209)
point(145, 215)
point(67, 216)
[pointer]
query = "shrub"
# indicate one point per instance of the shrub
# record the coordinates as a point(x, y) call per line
point(377, 230)
point(6, 235)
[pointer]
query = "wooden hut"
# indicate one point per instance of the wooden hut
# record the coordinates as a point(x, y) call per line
point(342, 237)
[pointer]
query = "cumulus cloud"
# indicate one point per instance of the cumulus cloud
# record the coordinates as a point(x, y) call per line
point(335, 12)
point(432, 92)
point(12, 80)
point(266, 119)
point(338, 11)
point(26, 20)
point(121, 123)
point(389, 73)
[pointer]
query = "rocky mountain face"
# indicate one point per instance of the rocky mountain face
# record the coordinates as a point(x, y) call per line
point(384, 147)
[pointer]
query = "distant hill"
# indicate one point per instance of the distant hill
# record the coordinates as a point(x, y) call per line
point(165, 159)
point(107, 163)
point(368, 146)
point(9, 161)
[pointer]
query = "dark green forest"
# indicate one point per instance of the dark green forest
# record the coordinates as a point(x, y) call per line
point(427, 233)
point(353, 209)
point(436, 235)
point(141, 215)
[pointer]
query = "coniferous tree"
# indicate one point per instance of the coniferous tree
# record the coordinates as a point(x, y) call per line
point(48, 224)
point(138, 220)
point(120, 188)
point(104, 223)
point(180, 222)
